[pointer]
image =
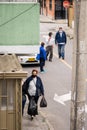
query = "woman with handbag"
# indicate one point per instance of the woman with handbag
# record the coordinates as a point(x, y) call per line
point(42, 57)
point(33, 88)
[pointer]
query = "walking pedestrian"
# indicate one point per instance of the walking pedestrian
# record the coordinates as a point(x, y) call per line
point(33, 88)
point(42, 57)
point(60, 40)
point(49, 46)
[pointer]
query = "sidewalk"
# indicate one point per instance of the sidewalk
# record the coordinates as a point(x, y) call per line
point(38, 123)
point(68, 30)
point(45, 19)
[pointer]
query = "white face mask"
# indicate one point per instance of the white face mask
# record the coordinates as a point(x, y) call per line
point(60, 31)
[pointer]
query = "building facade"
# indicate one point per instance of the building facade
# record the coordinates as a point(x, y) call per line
point(18, 0)
point(53, 8)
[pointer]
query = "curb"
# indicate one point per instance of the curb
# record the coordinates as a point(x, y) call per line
point(50, 127)
point(47, 21)
point(43, 20)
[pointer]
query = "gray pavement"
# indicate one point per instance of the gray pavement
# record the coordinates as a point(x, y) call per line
point(40, 122)
point(45, 19)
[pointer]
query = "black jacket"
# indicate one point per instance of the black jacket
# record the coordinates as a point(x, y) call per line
point(39, 86)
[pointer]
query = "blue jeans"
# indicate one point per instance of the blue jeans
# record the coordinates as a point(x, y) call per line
point(61, 50)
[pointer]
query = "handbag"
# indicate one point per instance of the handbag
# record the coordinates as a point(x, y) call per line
point(38, 57)
point(43, 102)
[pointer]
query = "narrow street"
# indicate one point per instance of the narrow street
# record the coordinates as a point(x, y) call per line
point(57, 83)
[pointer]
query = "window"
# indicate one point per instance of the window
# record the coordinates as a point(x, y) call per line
point(7, 94)
point(44, 3)
point(50, 4)
point(4, 94)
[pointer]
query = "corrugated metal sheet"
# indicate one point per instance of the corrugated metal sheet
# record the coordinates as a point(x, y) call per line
point(19, 24)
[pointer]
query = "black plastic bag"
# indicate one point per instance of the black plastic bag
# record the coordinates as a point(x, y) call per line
point(43, 102)
point(32, 107)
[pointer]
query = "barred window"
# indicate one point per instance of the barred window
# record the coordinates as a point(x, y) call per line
point(50, 4)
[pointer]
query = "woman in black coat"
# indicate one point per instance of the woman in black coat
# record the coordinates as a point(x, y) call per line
point(33, 87)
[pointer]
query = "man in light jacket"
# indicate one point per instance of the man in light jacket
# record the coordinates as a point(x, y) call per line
point(49, 46)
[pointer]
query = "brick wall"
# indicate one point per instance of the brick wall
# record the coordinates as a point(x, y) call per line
point(47, 11)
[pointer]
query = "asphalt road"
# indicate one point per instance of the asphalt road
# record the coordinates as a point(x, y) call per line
point(57, 82)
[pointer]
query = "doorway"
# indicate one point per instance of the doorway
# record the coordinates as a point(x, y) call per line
point(59, 9)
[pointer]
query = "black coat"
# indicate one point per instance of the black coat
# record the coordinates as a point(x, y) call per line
point(39, 86)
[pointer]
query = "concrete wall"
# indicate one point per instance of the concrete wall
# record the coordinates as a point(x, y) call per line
point(71, 16)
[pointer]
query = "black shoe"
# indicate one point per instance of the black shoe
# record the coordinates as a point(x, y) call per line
point(50, 60)
point(63, 58)
point(32, 118)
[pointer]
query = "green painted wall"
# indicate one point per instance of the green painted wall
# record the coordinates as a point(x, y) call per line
point(19, 24)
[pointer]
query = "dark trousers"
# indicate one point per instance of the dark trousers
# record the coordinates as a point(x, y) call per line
point(23, 103)
point(49, 51)
point(42, 63)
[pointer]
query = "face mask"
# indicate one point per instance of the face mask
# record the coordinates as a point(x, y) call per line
point(34, 76)
point(60, 31)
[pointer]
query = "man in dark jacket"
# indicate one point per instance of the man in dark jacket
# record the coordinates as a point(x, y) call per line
point(33, 87)
point(60, 40)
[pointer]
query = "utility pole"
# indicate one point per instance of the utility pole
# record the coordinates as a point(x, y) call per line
point(78, 97)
